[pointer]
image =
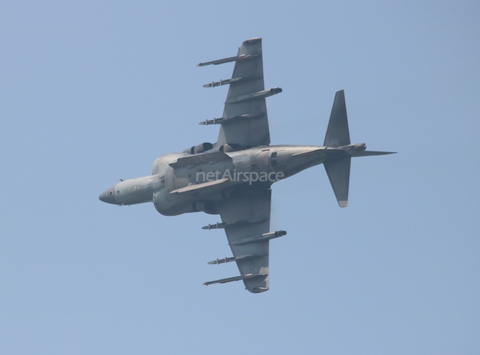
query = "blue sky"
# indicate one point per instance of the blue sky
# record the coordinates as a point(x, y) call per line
point(94, 91)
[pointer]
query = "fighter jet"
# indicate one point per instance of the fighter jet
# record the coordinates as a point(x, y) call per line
point(233, 177)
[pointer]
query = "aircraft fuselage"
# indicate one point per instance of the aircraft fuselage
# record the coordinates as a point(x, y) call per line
point(247, 169)
point(233, 176)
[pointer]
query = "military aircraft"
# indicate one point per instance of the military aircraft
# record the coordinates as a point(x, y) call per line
point(233, 176)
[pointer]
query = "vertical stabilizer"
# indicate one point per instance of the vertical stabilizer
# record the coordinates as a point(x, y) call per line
point(337, 131)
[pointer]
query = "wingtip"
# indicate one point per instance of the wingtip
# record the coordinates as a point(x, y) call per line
point(252, 40)
point(343, 204)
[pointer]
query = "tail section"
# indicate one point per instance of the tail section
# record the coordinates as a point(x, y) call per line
point(337, 132)
point(338, 136)
point(338, 171)
point(369, 153)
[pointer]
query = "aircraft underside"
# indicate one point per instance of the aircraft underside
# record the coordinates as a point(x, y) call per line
point(233, 177)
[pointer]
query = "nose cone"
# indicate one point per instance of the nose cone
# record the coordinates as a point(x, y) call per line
point(107, 196)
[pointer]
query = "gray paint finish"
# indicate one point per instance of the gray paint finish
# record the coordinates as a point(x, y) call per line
point(233, 177)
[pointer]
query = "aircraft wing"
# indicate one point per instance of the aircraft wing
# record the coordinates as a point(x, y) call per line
point(244, 121)
point(246, 221)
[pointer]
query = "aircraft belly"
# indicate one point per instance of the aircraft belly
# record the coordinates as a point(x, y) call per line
point(233, 177)
point(262, 161)
point(242, 162)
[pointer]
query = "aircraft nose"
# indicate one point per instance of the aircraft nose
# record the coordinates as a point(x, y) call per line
point(107, 196)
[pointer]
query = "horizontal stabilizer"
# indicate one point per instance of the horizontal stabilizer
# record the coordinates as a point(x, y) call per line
point(235, 278)
point(337, 132)
point(338, 171)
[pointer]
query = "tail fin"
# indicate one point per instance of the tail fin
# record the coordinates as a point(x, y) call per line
point(338, 170)
point(337, 131)
point(338, 165)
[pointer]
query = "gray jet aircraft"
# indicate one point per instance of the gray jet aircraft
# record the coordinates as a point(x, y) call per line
point(233, 176)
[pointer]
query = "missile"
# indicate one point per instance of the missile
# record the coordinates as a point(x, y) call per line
point(230, 81)
point(217, 225)
point(234, 258)
point(260, 238)
point(230, 59)
point(229, 119)
point(236, 224)
point(235, 278)
point(254, 96)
